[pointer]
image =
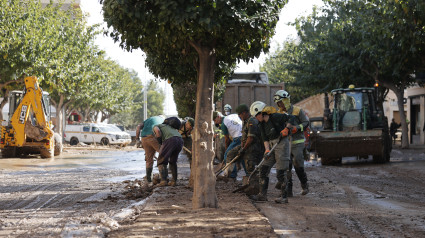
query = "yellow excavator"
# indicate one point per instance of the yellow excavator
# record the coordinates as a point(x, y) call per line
point(28, 129)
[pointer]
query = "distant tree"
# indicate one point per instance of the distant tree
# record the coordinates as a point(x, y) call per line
point(53, 44)
point(276, 67)
point(363, 42)
point(204, 34)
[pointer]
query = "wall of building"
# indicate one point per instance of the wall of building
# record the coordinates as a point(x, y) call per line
point(414, 109)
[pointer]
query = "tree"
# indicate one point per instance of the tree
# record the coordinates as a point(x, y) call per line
point(134, 116)
point(201, 33)
point(362, 42)
point(46, 41)
point(276, 67)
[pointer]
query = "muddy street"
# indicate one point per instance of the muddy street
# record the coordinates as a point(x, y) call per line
point(81, 194)
point(74, 195)
point(356, 199)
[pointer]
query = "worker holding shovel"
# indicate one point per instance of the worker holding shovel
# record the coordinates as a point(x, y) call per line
point(274, 132)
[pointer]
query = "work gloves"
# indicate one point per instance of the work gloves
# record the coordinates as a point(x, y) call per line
point(285, 132)
point(267, 154)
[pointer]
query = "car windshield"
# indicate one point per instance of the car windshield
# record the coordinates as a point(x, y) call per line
point(109, 128)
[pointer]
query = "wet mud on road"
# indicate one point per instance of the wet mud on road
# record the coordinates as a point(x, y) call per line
point(82, 194)
point(70, 196)
point(356, 199)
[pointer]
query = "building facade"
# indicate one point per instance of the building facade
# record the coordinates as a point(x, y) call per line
point(414, 108)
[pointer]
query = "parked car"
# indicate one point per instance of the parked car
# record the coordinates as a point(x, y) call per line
point(104, 134)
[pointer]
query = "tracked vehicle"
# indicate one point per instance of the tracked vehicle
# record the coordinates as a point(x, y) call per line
point(356, 126)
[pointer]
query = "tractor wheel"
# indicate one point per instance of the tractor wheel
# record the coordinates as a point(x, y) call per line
point(8, 152)
point(331, 161)
point(104, 141)
point(58, 144)
point(73, 141)
point(384, 157)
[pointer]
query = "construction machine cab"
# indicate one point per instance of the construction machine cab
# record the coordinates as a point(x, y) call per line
point(15, 98)
point(354, 109)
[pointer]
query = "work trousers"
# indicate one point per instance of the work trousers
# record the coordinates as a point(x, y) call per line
point(150, 145)
point(170, 150)
point(280, 157)
point(235, 142)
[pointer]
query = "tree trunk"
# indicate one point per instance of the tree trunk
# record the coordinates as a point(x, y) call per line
point(204, 194)
point(404, 126)
point(59, 115)
point(400, 96)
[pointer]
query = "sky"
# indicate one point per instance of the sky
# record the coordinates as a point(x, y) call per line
point(135, 60)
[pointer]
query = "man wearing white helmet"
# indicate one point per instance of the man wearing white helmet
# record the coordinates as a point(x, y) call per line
point(273, 125)
point(282, 99)
point(227, 109)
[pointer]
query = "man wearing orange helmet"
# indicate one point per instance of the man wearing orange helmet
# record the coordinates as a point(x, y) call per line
point(282, 99)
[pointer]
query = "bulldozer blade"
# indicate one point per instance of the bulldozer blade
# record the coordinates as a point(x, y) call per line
point(351, 143)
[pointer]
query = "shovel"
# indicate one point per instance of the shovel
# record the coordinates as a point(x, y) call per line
point(266, 156)
point(227, 165)
point(187, 150)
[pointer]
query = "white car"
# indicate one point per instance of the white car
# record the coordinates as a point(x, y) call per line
point(104, 134)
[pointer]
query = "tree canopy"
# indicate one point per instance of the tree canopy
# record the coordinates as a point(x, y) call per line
point(208, 35)
point(58, 47)
point(359, 42)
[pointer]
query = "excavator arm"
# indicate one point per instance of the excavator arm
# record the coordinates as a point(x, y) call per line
point(32, 101)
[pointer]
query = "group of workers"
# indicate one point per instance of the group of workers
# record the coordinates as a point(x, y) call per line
point(256, 135)
point(167, 136)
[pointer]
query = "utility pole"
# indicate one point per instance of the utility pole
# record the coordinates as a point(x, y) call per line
point(145, 103)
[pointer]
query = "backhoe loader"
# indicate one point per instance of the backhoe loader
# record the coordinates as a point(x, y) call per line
point(28, 129)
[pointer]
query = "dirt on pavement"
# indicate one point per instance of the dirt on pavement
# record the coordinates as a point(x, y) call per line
point(357, 199)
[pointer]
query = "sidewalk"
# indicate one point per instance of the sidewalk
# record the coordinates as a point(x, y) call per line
point(168, 213)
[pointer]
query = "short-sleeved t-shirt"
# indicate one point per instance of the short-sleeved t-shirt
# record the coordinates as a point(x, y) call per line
point(149, 123)
point(232, 126)
point(168, 132)
point(250, 128)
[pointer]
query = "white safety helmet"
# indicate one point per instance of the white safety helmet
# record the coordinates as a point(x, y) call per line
point(227, 109)
point(256, 107)
point(280, 95)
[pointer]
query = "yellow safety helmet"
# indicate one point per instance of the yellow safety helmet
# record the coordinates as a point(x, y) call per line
point(269, 110)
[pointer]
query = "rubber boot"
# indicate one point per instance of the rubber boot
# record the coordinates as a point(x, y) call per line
point(289, 177)
point(284, 190)
point(290, 194)
point(163, 171)
point(302, 176)
point(262, 195)
point(149, 174)
point(173, 168)
point(278, 186)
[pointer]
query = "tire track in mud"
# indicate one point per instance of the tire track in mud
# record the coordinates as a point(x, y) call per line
point(355, 200)
point(76, 200)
